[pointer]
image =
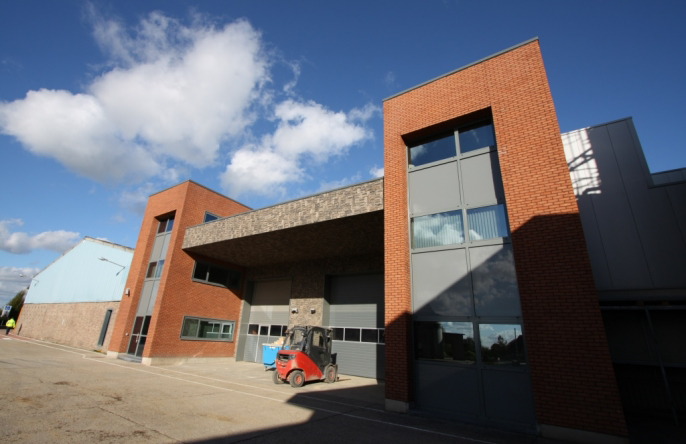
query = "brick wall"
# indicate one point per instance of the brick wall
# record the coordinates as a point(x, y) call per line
point(77, 325)
point(177, 295)
point(573, 380)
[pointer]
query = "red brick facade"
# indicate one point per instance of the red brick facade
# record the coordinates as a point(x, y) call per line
point(573, 380)
point(178, 295)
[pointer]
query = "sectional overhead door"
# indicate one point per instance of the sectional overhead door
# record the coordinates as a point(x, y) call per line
point(356, 313)
point(268, 316)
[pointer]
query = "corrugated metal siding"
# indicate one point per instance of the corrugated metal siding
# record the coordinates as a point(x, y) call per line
point(270, 302)
point(250, 353)
point(358, 301)
point(78, 276)
point(360, 359)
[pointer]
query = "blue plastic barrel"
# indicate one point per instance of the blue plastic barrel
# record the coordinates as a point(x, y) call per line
point(269, 355)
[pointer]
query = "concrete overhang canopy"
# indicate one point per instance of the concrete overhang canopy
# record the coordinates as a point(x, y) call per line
point(342, 222)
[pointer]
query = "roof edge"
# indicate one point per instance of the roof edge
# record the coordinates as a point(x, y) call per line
point(292, 200)
point(202, 186)
point(526, 42)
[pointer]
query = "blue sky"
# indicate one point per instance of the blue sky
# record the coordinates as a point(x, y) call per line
point(103, 103)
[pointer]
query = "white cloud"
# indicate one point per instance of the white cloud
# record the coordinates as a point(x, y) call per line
point(376, 172)
point(172, 91)
point(390, 79)
point(135, 200)
point(306, 132)
point(21, 243)
point(11, 283)
point(325, 186)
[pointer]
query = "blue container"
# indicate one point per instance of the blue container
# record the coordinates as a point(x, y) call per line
point(269, 355)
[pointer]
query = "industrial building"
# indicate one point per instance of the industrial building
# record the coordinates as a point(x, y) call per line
point(482, 278)
point(75, 299)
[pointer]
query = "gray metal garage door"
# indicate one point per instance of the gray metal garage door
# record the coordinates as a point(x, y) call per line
point(268, 316)
point(356, 313)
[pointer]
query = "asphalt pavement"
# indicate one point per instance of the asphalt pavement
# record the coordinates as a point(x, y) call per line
point(54, 393)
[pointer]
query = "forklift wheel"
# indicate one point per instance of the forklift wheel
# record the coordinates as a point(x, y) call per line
point(330, 374)
point(276, 379)
point(297, 378)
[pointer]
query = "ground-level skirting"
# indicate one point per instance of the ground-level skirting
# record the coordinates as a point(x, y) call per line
point(75, 324)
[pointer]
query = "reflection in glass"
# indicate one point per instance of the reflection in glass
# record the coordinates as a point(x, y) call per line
point(475, 137)
point(445, 341)
point(502, 344)
point(227, 331)
point(439, 149)
point(190, 328)
point(264, 330)
point(494, 281)
point(437, 229)
point(141, 346)
point(275, 330)
point(487, 222)
point(338, 334)
point(158, 271)
point(253, 329)
point(151, 270)
point(209, 330)
point(137, 325)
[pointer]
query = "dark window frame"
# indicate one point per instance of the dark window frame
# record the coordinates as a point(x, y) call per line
point(221, 323)
point(207, 274)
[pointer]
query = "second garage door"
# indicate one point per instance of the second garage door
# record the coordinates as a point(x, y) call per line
point(356, 314)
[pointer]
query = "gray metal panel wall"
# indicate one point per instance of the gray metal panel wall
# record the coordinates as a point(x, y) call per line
point(427, 187)
point(440, 284)
point(357, 301)
point(270, 302)
point(250, 353)
point(481, 179)
point(635, 232)
point(360, 359)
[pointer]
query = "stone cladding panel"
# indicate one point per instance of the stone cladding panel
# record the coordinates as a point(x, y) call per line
point(344, 202)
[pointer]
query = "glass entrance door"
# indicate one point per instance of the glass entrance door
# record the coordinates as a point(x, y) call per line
point(138, 336)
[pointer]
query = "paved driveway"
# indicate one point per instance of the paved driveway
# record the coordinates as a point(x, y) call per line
point(53, 393)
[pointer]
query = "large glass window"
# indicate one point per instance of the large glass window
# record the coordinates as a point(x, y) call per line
point(207, 329)
point(437, 229)
point(445, 341)
point(437, 149)
point(214, 274)
point(502, 344)
point(487, 222)
point(165, 225)
point(476, 136)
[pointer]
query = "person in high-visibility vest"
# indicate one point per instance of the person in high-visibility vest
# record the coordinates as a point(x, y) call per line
point(10, 325)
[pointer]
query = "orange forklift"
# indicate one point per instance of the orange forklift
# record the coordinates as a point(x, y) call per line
point(306, 356)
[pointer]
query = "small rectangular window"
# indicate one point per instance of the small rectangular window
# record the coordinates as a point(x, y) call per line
point(487, 222)
point(253, 329)
point(209, 217)
point(437, 229)
point(382, 336)
point(370, 335)
point(264, 330)
point(162, 227)
point(207, 329)
point(352, 334)
point(151, 270)
point(200, 271)
point(476, 136)
point(227, 331)
point(337, 334)
point(158, 271)
point(433, 150)
point(275, 330)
